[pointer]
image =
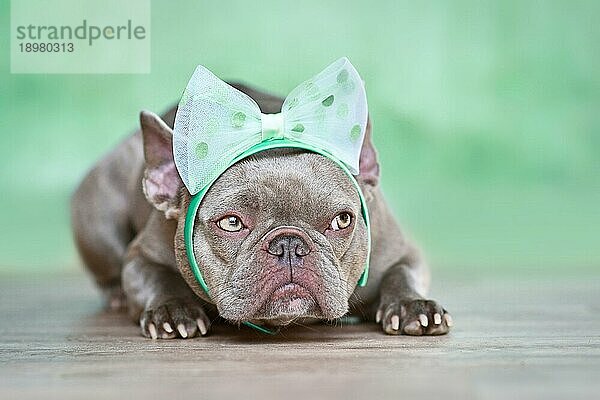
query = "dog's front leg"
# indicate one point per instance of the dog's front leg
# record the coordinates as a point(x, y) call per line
point(161, 301)
point(402, 309)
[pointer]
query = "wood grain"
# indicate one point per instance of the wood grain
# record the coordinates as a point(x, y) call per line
point(513, 338)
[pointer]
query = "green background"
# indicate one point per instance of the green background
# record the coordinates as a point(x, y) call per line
point(486, 117)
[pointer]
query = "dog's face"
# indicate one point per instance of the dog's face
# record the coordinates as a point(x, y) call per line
point(280, 235)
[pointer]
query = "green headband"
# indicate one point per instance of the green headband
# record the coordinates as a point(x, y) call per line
point(207, 101)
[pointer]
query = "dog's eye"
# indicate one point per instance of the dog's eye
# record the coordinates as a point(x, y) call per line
point(230, 223)
point(341, 221)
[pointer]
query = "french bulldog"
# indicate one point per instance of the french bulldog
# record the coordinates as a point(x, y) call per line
point(279, 236)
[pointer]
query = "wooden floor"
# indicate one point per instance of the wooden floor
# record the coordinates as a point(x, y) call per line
point(512, 339)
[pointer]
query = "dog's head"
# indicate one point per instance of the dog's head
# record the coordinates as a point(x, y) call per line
point(278, 236)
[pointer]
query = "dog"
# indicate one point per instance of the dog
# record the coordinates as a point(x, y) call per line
point(280, 239)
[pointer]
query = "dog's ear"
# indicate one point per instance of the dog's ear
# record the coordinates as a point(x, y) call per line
point(161, 182)
point(368, 164)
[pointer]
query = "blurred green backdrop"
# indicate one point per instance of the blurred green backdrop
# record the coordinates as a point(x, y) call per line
point(486, 116)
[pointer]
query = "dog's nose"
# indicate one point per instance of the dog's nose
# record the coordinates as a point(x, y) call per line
point(289, 248)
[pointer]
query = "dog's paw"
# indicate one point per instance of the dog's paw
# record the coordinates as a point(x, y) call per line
point(415, 317)
point(174, 319)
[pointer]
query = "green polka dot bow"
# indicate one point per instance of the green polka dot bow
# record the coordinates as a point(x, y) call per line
point(215, 123)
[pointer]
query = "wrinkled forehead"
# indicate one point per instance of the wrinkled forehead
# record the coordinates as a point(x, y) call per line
point(284, 181)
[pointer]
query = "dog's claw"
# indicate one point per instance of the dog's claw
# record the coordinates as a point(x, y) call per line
point(152, 330)
point(448, 319)
point(201, 326)
point(182, 331)
point(176, 318)
point(395, 322)
point(414, 317)
point(413, 328)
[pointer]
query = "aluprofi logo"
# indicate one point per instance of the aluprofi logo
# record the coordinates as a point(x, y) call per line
point(86, 31)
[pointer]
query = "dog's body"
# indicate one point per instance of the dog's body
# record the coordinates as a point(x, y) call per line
point(131, 238)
